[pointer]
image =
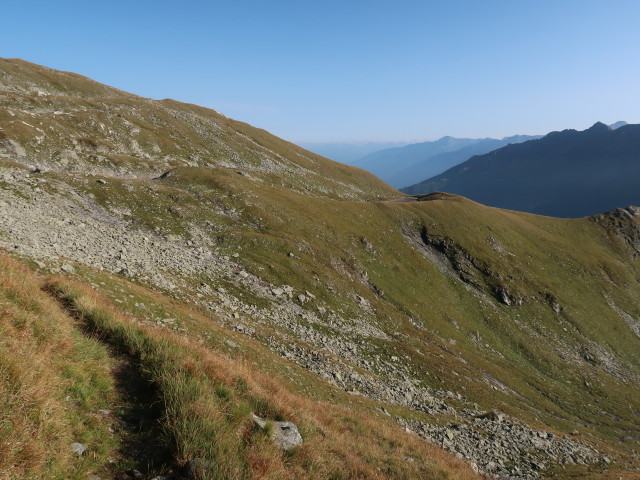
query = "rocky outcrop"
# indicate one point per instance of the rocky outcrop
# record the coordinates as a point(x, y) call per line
point(624, 225)
point(453, 260)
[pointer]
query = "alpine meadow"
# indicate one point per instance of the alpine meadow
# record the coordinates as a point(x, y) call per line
point(185, 296)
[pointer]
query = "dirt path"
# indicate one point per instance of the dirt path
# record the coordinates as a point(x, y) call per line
point(137, 415)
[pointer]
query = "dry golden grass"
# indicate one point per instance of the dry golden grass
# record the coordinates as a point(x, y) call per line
point(43, 359)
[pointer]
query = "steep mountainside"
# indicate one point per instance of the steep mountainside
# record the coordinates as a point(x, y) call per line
point(564, 174)
point(233, 274)
point(69, 123)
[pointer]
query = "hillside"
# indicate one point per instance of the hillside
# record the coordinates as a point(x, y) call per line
point(564, 174)
point(69, 123)
point(404, 339)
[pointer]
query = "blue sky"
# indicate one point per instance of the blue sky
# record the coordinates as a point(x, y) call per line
point(353, 70)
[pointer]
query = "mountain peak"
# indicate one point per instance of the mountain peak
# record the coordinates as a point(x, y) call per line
point(599, 127)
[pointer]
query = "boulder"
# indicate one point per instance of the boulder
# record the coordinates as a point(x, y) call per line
point(68, 268)
point(284, 434)
point(492, 416)
point(78, 448)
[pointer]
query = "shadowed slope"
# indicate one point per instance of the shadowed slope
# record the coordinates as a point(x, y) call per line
point(564, 174)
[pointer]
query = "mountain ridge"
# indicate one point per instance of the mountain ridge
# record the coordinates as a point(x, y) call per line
point(443, 161)
point(400, 166)
point(567, 173)
point(213, 139)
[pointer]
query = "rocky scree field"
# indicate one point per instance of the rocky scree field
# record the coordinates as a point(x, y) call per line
point(507, 340)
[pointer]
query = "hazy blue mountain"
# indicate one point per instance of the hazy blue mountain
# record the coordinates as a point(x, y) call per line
point(348, 152)
point(402, 166)
point(564, 174)
point(618, 124)
point(386, 163)
point(437, 164)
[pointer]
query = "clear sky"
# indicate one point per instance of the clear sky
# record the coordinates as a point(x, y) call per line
point(353, 70)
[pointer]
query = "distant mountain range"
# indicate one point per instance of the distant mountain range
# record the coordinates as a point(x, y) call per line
point(565, 174)
point(349, 152)
point(436, 164)
point(402, 166)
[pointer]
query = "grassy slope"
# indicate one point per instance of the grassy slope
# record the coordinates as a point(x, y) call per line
point(67, 122)
point(53, 381)
point(530, 348)
point(206, 395)
point(537, 256)
point(556, 363)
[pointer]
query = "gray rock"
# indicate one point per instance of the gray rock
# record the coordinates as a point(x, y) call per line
point(78, 448)
point(68, 268)
point(284, 434)
point(101, 181)
point(538, 465)
point(492, 415)
point(385, 411)
point(15, 147)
